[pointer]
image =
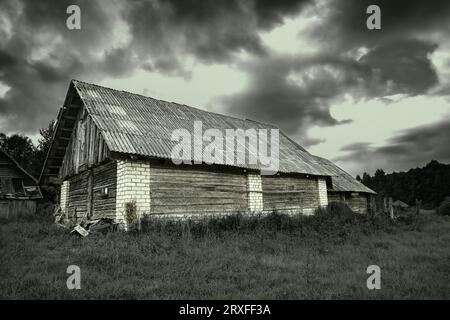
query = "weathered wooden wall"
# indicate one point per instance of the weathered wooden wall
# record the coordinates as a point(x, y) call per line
point(86, 147)
point(336, 197)
point(14, 208)
point(289, 192)
point(104, 176)
point(86, 199)
point(196, 189)
point(358, 203)
point(77, 197)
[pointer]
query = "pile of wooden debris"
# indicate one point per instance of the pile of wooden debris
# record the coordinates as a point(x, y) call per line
point(103, 225)
point(84, 227)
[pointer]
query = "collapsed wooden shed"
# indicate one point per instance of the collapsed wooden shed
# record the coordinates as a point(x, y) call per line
point(19, 191)
point(112, 148)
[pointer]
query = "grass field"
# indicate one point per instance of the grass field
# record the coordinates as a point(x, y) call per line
point(322, 259)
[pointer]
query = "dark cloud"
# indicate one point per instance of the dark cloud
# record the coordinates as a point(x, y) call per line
point(398, 54)
point(352, 59)
point(290, 92)
point(403, 66)
point(213, 31)
point(345, 27)
point(409, 148)
point(39, 55)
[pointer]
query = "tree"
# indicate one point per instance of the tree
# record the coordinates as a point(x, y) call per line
point(19, 147)
point(46, 137)
point(22, 149)
point(429, 184)
point(43, 146)
point(379, 174)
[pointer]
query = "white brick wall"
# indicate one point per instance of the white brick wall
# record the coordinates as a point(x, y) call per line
point(64, 198)
point(255, 195)
point(133, 184)
point(323, 195)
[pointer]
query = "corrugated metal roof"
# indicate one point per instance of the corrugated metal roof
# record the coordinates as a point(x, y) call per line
point(343, 181)
point(134, 124)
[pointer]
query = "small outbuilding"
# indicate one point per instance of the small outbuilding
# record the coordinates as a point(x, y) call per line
point(19, 191)
point(342, 187)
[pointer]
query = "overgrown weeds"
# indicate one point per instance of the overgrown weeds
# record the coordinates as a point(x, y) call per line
point(444, 208)
point(233, 257)
point(336, 223)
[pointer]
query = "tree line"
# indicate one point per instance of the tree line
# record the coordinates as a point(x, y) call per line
point(430, 184)
point(22, 149)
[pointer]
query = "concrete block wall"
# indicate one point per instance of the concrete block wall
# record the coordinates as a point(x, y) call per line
point(255, 195)
point(64, 197)
point(133, 185)
point(323, 194)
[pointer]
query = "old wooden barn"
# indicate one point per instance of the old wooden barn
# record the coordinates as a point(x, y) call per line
point(19, 191)
point(112, 147)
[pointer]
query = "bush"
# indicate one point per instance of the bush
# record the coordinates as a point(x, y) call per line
point(444, 208)
point(131, 212)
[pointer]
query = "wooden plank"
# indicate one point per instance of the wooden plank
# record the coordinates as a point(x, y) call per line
point(289, 192)
point(188, 190)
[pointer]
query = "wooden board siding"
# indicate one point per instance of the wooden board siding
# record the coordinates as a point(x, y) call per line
point(86, 147)
point(86, 199)
point(357, 203)
point(14, 208)
point(104, 176)
point(189, 189)
point(289, 192)
point(336, 197)
point(77, 199)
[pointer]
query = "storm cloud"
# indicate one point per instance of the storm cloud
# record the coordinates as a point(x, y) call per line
point(408, 148)
point(39, 55)
point(294, 90)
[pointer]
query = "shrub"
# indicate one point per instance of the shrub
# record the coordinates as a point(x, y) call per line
point(444, 208)
point(130, 212)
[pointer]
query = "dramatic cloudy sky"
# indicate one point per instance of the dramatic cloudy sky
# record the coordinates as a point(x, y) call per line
point(364, 98)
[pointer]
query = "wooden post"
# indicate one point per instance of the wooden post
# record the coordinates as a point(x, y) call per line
point(391, 208)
